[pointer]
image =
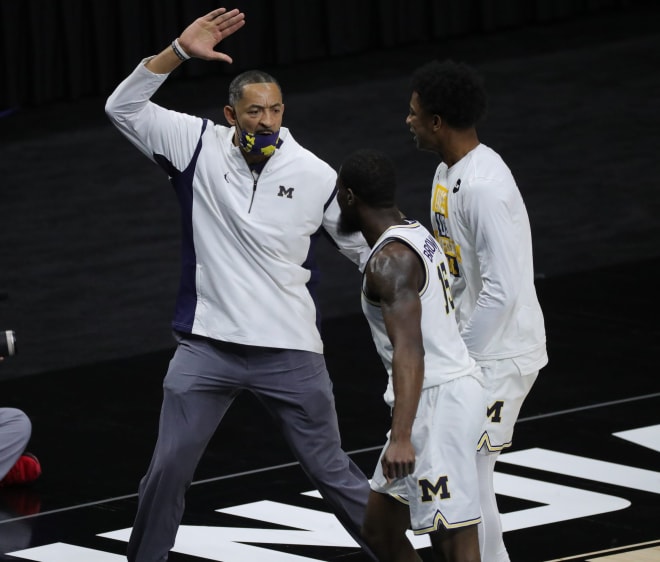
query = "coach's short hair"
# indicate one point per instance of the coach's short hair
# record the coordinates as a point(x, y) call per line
point(452, 90)
point(248, 77)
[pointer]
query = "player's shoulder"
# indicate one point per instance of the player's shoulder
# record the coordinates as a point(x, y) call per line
point(487, 170)
point(394, 251)
point(487, 161)
point(394, 267)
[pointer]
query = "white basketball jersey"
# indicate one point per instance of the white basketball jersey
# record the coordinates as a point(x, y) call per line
point(479, 218)
point(446, 356)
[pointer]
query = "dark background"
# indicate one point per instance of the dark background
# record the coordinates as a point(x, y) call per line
point(70, 49)
point(89, 253)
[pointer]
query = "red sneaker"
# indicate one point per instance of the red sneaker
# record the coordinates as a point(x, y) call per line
point(27, 469)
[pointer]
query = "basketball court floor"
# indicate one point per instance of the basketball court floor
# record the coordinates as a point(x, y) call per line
point(582, 481)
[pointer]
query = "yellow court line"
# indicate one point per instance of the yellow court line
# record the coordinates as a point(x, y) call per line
point(582, 556)
point(638, 555)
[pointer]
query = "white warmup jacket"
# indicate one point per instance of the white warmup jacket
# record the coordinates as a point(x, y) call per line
point(247, 266)
point(480, 220)
point(445, 355)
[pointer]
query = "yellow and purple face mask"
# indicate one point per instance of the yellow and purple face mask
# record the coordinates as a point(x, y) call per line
point(264, 145)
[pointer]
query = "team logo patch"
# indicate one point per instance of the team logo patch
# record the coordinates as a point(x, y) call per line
point(494, 412)
point(285, 192)
point(429, 490)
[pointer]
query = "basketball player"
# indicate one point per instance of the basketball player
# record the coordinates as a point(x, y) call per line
point(480, 220)
point(427, 475)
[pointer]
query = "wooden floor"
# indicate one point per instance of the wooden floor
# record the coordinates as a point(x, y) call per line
point(633, 553)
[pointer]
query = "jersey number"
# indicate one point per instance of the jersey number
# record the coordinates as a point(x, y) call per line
point(444, 281)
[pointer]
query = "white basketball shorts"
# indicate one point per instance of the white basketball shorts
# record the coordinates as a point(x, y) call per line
point(443, 490)
point(507, 388)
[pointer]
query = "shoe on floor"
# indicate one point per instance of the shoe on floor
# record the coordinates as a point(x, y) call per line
point(27, 469)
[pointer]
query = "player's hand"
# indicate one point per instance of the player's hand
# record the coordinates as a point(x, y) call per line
point(201, 36)
point(398, 460)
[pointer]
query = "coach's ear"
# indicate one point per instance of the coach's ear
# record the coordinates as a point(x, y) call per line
point(230, 114)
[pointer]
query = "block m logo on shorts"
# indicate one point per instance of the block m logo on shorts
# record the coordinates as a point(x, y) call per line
point(494, 412)
point(429, 490)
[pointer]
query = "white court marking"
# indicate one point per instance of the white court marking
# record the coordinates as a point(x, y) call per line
point(354, 452)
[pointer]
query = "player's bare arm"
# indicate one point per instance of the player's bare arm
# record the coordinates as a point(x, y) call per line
point(394, 276)
point(199, 40)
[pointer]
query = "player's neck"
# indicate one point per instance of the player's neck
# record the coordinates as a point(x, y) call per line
point(378, 221)
point(461, 143)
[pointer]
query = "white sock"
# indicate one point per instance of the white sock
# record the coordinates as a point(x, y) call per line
point(491, 542)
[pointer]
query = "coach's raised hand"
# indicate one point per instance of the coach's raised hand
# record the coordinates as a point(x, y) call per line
point(201, 36)
point(199, 40)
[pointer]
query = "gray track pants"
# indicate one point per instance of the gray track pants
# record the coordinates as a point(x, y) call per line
point(203, 379)
point(15, 431)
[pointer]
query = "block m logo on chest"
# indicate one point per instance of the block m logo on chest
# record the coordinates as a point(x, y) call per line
point(285, 192)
